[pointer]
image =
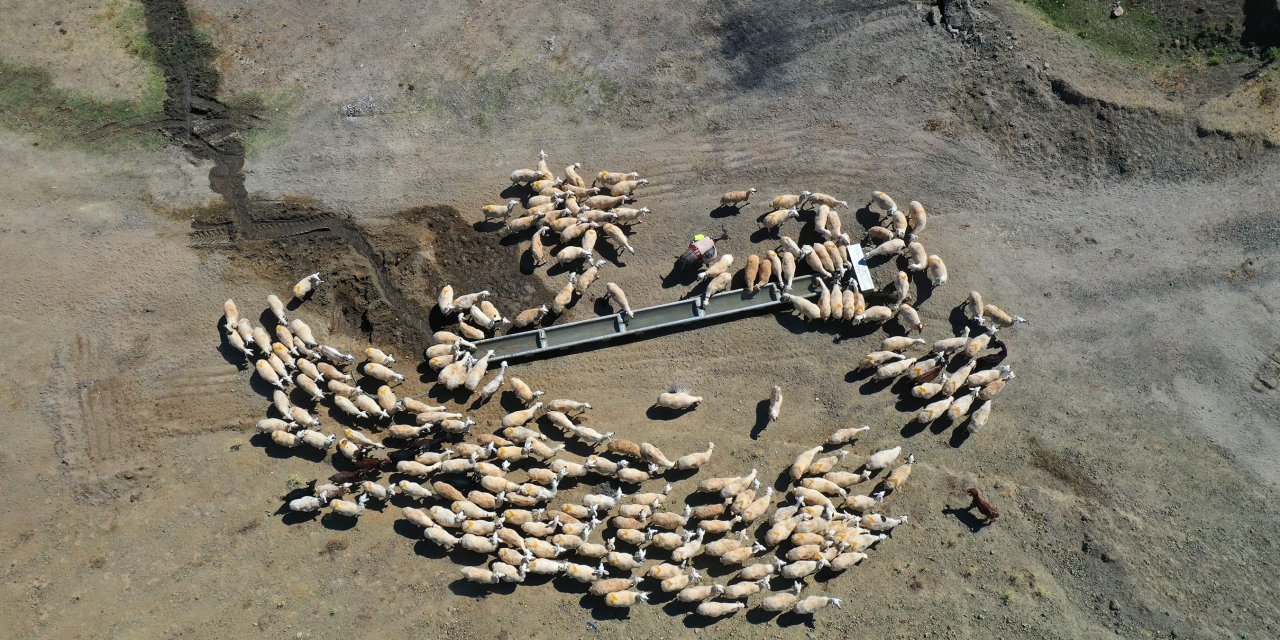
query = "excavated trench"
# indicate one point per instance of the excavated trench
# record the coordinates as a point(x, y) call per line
point(382, 282)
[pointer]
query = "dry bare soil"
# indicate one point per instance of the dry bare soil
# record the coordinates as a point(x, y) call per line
point(1129, 209)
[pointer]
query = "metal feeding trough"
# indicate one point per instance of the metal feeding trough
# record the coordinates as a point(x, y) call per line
point(689, 312)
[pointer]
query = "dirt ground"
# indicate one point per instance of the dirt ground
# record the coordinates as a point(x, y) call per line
point(1133, 457)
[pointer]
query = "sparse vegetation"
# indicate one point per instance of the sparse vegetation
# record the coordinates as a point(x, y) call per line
point(31, 103)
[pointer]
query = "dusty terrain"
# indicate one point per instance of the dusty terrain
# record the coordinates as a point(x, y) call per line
point(1133, 217)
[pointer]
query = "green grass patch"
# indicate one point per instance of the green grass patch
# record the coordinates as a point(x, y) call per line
point(31, 103)
point(271, 107)
point(1143, 35)
point(128, 20)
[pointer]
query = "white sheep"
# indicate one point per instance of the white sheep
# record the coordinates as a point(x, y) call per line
point(304, 286)
point(789, 200)
point(382, 372)
point(775, 218)
point(308, 386)
point(695, 460)
point(937, 270)
point(888, 248)
point(564, 296)
point(998, 316)
point(736, 198)
point(678, 399)
point(626, 187)
point(882, 200)
point(268, 374)
point(526, 176)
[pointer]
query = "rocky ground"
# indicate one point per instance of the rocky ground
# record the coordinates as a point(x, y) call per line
point(1128, 209)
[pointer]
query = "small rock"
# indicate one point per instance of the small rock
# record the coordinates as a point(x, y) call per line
point(1106, 557)
point(1113, 605)
point(1117, 11)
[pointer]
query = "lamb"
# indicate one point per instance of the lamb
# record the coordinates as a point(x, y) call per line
point(626, 187)
point(789, 200)
point(775, 218)
point(304, 286)
point(812, 604)
point(382, 372)
point(677, 399)
point(526, 176)
point(736, 198)
point(499, 211)
point(888, 248)
point(695, 460)
point(619, 298)
point(718, 284)
point(1000, 317)
point(937, 271)
point(277, 308)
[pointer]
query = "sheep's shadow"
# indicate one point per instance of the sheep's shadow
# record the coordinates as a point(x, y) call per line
point(762, 419)
point(696, 620)
point(725, 211)
point(656, 412)
point(912, 428)
point(959, 436)
point(764, 233)
point(229, 353)
point(866, 217)
point(679, 276)
point(338, 522)
point(967, 518)
point(758, 615)
point(791, 619)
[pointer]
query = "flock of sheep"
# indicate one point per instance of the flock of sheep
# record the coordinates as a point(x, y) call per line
point(501, 490)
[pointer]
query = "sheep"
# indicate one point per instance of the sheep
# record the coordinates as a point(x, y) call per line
point(261, 340)
point(909, 318)
point(933, 410)
point(802, 307)
point(882, 459)
point(610, 178)
point(604, 203)
point(882, 200)
point(499, 211)
point(978, 419)
point(335, 355)
point(846, 435)
point(309, 386)
point(619, 298)
point(720, 266)
point(530, 317)
point(238, 342)
point(750, 272)
point(565, 296)
point(854, 303)
point(630, 216)
point(834, 228)
point(736, 198)
point(719, 609)
point(937, 271)
point(918, 217)
point(788, 271)
point(440, 537)
point(978, 343)
point(348, 508)
point(887, 248)
point(990, 390)
point(475, 373)
point(996, 315)
point(802, 568)
point(572, 177)
point(677, 399)
point(271, 425)
point(917, 259)
point(277, 308)
point(304, 286)
point(332, 373)
point(382, 372)
point(626, 187)
point(302, 331)
point(764, 272)
point(836, 255)
point(572, 254)
point(268, 374)
point(547, 186)
point(617, 236)
point(812, 604)
point(984, 378)
point(700, 592)
point(876, 315)
point(523, 391)
point(277, 365)
point(521, 417)
point(695, 460)
point(527, 176)
point(602, 588)
point(282, 353)
point(898, 224)
point(306, 504)
point(960, 406)
point(741, 555)
point(777, 217)
point(444, 300)
point(718, 284)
